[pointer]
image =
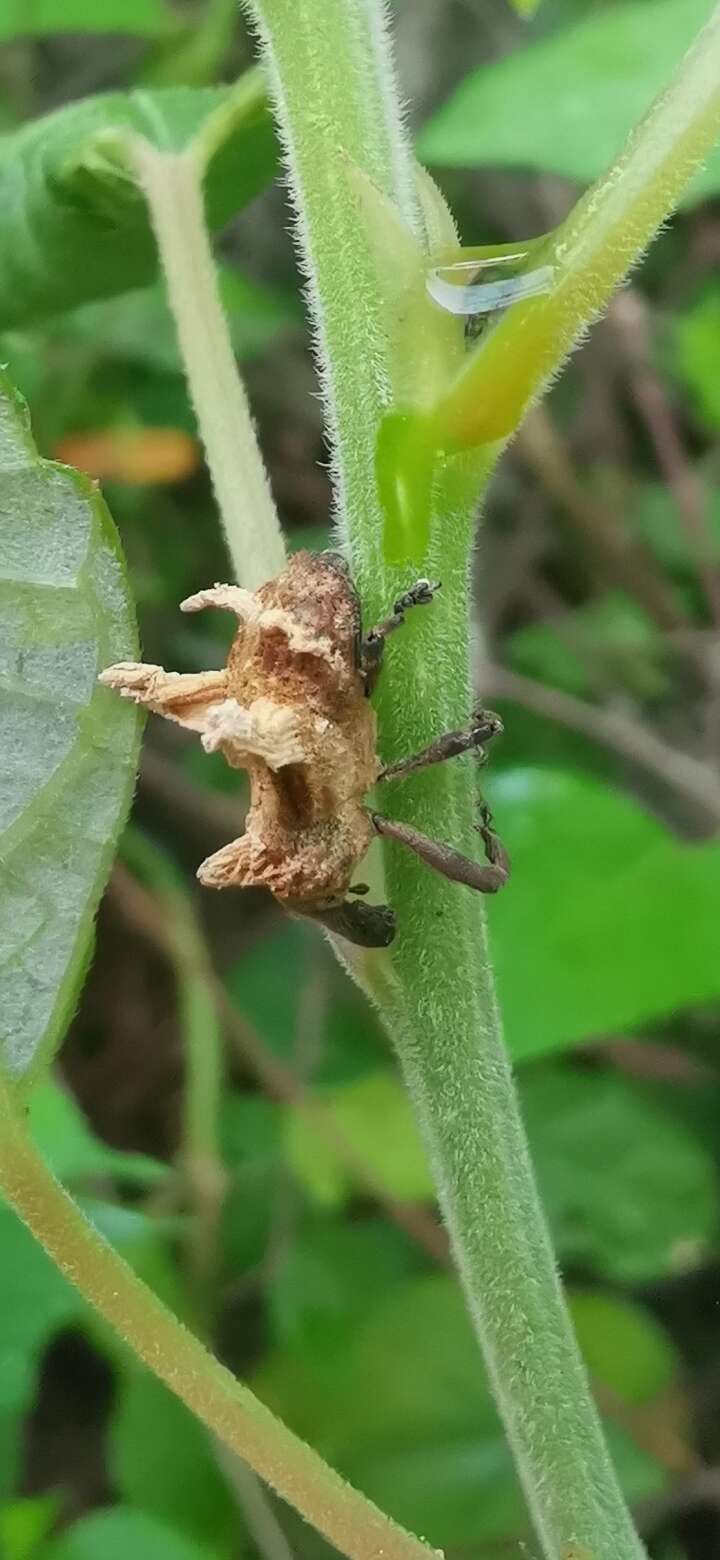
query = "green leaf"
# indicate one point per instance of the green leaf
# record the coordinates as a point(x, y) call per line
point(72, 1150)
point(76, 226)
point(628, 1353)
point(623, 1346)
point(374, 1117)
point(271, 1005)
point(118, 1532)
point(406, 1406)
point(405, 1410)
point(24, 1524)
point(251, 1137)
point(694, 348)
point(30, 18)
point(653, 513)
point(608, 921)
point(616, 644)
point(198, 51)
point(162, 1462)
point(629, 1191)
point(329, 1277)
point(35, 1303)
point(566, 104)
point(69, 747)
point(346, 1039)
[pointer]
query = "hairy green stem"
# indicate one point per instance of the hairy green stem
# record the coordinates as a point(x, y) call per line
point(353, 1524)
point(172, 188)
point(436, 991)
point(330, 75)
point(443, 1013)
point(436, 987)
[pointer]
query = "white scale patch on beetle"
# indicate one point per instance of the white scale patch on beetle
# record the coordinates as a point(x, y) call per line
point(291, 707)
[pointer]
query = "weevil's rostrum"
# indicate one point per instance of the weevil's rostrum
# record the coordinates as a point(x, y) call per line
point(291, 707)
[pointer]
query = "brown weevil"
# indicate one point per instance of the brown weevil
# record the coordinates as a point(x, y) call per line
point(292, 708)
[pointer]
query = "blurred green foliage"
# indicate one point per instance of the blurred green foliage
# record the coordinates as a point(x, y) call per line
point(435, 1456)
point(606, 942)
point(186, 1490)
point(121, 1531)
point(695, 341)
point(23, 18)
point(598, 76)
point(613, 636)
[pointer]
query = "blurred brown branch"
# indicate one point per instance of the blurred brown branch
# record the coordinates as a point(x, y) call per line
point(688, 777)
point(631, 317)
point(623, 559)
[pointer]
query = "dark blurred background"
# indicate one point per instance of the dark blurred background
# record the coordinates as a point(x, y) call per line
point(295, 1224)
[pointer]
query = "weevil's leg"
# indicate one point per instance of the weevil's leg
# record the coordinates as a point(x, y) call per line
point(485, 725)
point(494, 848)
point(185, 697)
point(444, 859)
point(373, 644)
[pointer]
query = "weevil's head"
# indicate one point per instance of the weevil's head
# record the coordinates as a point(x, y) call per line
point(368, 926)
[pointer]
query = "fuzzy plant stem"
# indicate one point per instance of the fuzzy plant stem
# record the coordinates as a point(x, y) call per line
point(172, 186)
point(436, 991)
point(353, 1524)
point(350, 174)
point(200, 1156)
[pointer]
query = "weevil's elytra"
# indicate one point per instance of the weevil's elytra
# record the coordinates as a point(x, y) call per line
point(291, 707)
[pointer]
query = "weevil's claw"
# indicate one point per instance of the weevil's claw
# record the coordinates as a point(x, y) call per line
point(371, 650)
point(489, 719)
point(419, 595)
point(495, 851)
